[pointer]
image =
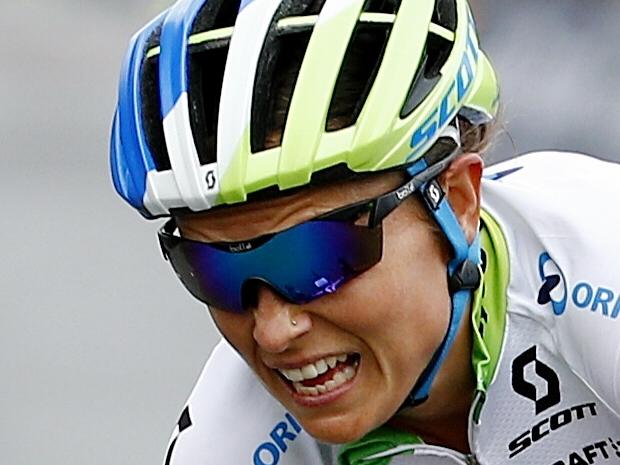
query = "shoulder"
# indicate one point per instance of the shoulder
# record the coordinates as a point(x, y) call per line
point(231, 418)
point(544, 174)
point(558, 213)
point(547, 164)
point(563, 200)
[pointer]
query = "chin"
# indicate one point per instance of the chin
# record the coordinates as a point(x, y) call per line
point(337, 430)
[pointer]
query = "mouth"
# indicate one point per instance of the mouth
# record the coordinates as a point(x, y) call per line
point(321, 377)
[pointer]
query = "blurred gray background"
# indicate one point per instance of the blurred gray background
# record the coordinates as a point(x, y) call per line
point(99, 344)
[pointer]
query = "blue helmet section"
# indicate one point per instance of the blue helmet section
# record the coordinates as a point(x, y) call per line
point(245, 3)
point(130, 156)
point(175, 31)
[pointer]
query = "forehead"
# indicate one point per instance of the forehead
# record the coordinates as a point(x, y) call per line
point(265, 216)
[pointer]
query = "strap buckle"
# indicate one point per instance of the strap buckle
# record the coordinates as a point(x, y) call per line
point(467, 276)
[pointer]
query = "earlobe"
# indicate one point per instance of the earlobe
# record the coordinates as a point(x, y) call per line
point(461, 182)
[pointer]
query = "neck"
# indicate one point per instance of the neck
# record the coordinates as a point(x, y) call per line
point(443, 419)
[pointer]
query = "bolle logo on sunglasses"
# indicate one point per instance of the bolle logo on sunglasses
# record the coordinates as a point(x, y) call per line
point(406, 190)
point(240, 247)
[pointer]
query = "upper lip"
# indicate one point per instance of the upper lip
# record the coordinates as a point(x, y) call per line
point(301, 362)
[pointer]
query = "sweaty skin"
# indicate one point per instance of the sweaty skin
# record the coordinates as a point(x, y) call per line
point(393, 316)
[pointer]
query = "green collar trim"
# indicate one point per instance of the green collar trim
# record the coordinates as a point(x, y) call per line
point(488, 319)
point(488, 314)
point(380, 440)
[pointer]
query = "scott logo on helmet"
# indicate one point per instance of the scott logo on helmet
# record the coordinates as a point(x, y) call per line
point(210, 178)
point(455, 94)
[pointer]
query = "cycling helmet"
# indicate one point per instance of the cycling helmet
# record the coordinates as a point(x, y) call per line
point(196, 105)
point(197, 83)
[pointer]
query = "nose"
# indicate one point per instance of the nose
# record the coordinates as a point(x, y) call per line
point(274, 330)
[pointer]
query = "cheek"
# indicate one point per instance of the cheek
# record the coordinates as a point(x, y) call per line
point(404, 300)
point(403, 314)
point(236, 329)
point(414, 266)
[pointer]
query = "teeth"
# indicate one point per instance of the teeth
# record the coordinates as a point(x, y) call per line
point(310, 391)
point(293, 375)
point(321, 366)
point(312, 370)
point(309, 371)
point(349, 372)
point(339, 378)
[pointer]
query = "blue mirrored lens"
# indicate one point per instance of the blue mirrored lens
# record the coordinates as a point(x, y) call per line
point(302, 263)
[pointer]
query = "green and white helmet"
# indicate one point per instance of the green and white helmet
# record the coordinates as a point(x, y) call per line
point(196, 101)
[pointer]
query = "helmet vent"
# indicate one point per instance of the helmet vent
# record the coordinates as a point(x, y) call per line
point(438, 50)
point(445, 14)
point(227, 14)
point(435, 55)
point(293, 8)
point(314, 7)
point(300, 16)
point(206, 68)
point(357, 74)
point(216, 14)
point(208, 47)
point(151, 106)
point(209, 42)
point(382, 6)
point(279, 64)
point(294, 24)
point(276, 77)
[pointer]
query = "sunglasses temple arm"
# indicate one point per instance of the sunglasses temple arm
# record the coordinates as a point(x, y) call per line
point(385, 204)
point(164, 252)
point(168, 228)
point(382, 207)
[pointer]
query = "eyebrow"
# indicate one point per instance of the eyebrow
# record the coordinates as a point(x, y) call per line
point(356, 195)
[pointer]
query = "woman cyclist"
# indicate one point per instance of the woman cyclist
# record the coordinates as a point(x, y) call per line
point(320, 162)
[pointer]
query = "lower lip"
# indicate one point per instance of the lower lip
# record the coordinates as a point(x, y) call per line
point(325, 398)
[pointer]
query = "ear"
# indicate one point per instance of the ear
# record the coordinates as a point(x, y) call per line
point(461, 181)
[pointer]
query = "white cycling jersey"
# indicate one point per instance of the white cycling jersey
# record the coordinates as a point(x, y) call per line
point(546, 354)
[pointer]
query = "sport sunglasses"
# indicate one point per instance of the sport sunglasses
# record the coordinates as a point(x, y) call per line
point(301, 263)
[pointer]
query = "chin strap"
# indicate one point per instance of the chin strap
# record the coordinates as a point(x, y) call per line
point(464, 276)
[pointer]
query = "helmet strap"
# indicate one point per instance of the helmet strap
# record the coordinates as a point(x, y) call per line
point(464, 276)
